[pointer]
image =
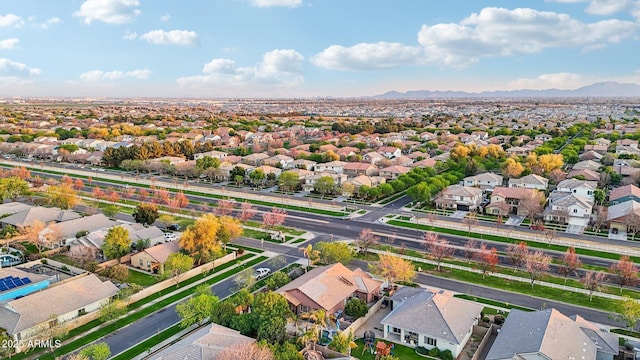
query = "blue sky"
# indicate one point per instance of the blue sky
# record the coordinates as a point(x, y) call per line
point(305, 48)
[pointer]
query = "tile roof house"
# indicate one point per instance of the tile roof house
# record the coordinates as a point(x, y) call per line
point(460, 198)
point(508, 200)
point(531, 181)
point(569, 208)
point(485, 181)
point(544, 334)
point(151, 258)
point(622, 217)
point(23, 318)
point(13, 207)
point(335, 166)
point(392, 172)
point(68, 229)
point(421, 317)
point(47, 216)
point(624, 193)
point(389, 152)
point(589, 175)
point(578, 187)
point(254, 159)
point(329, 287)
point(203, 344)
point(606, 342)
point(360, 168)
point(587, 164)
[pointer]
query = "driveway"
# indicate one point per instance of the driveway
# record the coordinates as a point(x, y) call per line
point(459, 214)
point(514, 220)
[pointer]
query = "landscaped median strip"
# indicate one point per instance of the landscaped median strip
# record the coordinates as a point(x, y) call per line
point(570, 295)
point(580, 249)
point(83, 337)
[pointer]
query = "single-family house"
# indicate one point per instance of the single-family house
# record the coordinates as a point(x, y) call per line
point(152, 258)
point(389, 152)
point(624, 193)
point(587, 164)
point(569, 208)
point(45, 215)
point(24, 318)
point(607, 343)
point(69, 230)
point(485, 181)
point(542, 334)
point(329, 288)
point(361, 180)
point(14, 207)
point(373, 157)
point(424, 163)
point(281, 161)
point(426, 318)
point(510, 200)
point(531, 181)
point(518, 151)
point(588, 175)
point(254, 159)
point(335, 166)
point(599, 148)
point(543, 137)
point(204, 343)
point(579, 187)
point(460, 198)
point(392, 172)
point(309, 182)
point(213, 154)
point(353, 169)
point(302, 164)
point(624, 217)
point(590, 155)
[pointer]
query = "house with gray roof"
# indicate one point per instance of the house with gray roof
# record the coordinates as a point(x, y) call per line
point(544, 334)
point(24, 318)
point(67, 230)
point(421, 317)
point(45, 215)
point(531, 181)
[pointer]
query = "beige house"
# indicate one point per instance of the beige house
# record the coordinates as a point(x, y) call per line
point(460, 198)
point(150, 259)
point(329, 288)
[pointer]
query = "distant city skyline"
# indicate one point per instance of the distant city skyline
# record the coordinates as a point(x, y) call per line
point(308, 48)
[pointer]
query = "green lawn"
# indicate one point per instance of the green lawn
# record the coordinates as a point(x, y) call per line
point(400, 351)
point(140, 278)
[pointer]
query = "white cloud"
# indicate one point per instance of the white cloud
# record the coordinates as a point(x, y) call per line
point(14, 70)
point(51, 21)
point(278, 68)
point(165, 17)
point(99, 75)
point(108, 11)
point(489, 33)
point(366, 56)
point(130, 35)
point(173, 37)
point(272, 3)
point(11, 20)
point(563, 80)
point(8, 44)
point(608, 7)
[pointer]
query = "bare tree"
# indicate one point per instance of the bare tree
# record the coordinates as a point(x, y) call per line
point(536, 263)
point(439, 248)
point(569, 264)
point(624, 272)
point(516, 253)
point(245, 351)
point(592, 281)
point(83, 253)
point(600, 219)
point(366, 239)
point(470, 250)
point(471, 221)
point(632, 221)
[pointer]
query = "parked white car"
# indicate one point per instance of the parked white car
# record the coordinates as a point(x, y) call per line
point(170, 236)
point(261, 273)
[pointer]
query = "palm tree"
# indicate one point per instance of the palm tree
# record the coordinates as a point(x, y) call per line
point(311, 254)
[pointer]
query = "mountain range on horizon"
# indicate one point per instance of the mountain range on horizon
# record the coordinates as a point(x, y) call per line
point(600, 89)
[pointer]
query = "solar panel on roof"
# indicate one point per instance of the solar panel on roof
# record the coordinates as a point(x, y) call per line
point(11, 285)
point(26, 280)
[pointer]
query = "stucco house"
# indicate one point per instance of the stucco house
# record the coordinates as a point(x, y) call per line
point(624, 193)
point(359, 168)
point(531, 181)
point(430, 319)
point(549, 334)
point(509, 200)
point(329, 288)
point(23, 318)
point(485, 181)
point(392, 172)
point(460, 198)
point(579, 187)
point(152, 258)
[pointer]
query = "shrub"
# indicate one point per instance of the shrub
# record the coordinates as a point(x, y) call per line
point(277, 280)
point(356, 308)
point(446, 355)
point(498, 319)
point(486, 319)
point(435, 352)
point(81, 233)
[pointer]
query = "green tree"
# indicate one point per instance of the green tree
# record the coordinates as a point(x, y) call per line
point(146, 214)
point(207, 162)
point(599, 196)
point(324, 185)
point(630, 311)
point(198, 308)
point(201, 239)
point(176, 265)
point(420, 192)
point(257, 177)
point(270, 311)
point(116, 243)
point(97, 351)
point(288, 181)
point(334, 252)
point(113, 310)
point(356, 308)
point(342, 342)
point(12, 188)
point(277, 280)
